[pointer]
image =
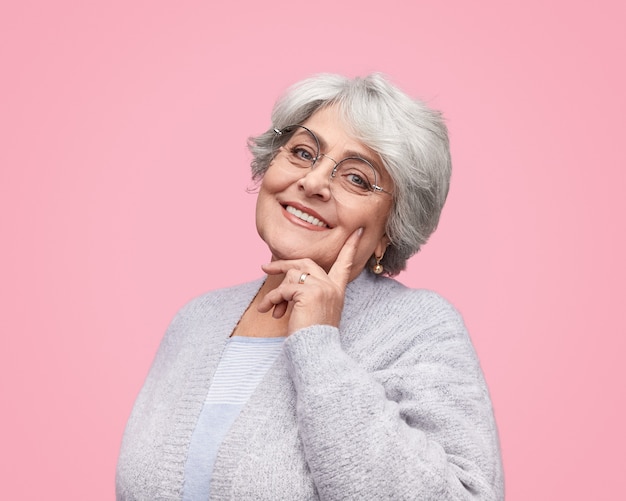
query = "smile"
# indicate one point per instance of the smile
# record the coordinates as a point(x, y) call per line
point(305, 217)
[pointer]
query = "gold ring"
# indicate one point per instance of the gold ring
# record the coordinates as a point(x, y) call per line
point(303, 278)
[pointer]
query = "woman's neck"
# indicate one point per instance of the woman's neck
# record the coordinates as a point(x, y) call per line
point(256, 324)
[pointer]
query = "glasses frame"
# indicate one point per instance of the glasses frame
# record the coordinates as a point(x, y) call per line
point(375, 188)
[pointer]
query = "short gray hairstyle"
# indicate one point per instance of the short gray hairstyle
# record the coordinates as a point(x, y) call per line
point(410, 138)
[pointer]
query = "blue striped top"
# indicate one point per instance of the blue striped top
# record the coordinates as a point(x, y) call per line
point(243, 364)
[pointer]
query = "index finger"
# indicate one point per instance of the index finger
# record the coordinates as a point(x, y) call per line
point(340, 271)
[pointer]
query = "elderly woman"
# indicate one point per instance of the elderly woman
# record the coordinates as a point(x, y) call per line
point(326, 379)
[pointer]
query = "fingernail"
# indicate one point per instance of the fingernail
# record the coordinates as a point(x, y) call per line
point(360, 231)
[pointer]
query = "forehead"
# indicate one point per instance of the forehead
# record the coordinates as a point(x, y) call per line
point(331, 129)
point(336, 136)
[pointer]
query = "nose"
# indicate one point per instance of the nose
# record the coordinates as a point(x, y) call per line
point(316, 181)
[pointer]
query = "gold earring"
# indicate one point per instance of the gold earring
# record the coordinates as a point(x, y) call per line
point(378, 268)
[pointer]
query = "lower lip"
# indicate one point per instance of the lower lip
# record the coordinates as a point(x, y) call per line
point(302, 223)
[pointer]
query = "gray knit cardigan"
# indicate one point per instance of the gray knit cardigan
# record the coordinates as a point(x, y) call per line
point(391, 405)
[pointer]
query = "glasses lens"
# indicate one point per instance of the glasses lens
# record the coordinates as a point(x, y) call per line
point(299, 146)
point(354, 176)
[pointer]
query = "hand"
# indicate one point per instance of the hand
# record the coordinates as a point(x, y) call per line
point(317, 301)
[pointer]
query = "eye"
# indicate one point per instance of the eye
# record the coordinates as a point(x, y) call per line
point(356, 176)
point(302, 153)
point(357, 180)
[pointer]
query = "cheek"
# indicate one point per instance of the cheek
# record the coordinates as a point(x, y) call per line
point(376, 218)
point(267, 190)
point(274, 180)
point(263, 208)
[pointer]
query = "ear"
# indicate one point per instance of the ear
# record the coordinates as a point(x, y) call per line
point(381, 246)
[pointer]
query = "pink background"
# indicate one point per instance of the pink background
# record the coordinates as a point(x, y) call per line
point(123, 171)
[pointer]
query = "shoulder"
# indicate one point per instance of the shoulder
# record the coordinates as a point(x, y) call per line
point(401, 323)
point(391, 300)
point(233, 297)
point(212, 313)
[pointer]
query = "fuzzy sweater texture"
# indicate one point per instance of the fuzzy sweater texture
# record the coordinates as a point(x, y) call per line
point(390, 405)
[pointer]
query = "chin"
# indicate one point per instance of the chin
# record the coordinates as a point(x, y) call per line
point(292, 254)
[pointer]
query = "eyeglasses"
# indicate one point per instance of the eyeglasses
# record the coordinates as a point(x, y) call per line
point(351, 176)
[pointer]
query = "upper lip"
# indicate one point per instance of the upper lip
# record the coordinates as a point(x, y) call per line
point(308, 210)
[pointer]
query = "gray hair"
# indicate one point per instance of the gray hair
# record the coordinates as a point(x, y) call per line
point(410, 138)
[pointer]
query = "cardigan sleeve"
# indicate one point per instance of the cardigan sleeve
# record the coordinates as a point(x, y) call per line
point(411, 419)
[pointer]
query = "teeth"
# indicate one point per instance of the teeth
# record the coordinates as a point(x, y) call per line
point(305, 217)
